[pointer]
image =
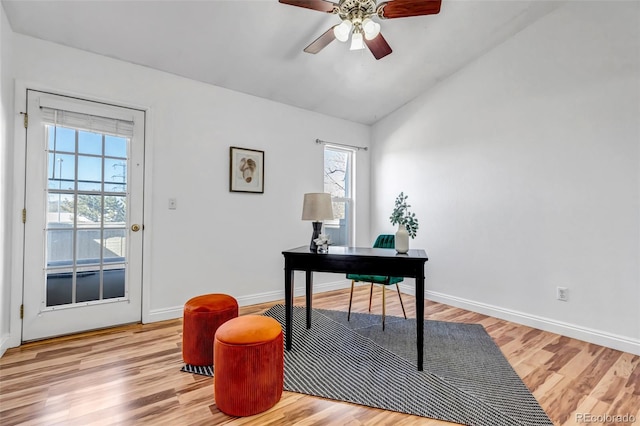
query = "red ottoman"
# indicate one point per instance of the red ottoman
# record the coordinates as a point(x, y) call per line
point(202, 317)
point(249, 371)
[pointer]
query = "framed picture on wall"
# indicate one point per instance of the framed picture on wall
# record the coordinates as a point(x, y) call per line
point(246, 170)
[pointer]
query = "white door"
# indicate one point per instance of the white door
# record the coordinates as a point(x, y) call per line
point(83, 228)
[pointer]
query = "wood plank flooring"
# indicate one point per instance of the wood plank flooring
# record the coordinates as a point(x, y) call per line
point(130, 376)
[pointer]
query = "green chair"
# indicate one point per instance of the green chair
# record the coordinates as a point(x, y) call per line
point(383, 241)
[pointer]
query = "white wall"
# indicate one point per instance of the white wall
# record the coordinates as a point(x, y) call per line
point(215, 241)
point(6, 170)
point(524, 171)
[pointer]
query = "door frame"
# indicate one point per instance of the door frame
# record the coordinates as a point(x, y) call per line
point(19, 193)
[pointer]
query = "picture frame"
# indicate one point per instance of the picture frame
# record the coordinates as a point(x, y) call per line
point(246, 170)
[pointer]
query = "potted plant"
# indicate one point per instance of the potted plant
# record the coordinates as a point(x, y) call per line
point(406, 221)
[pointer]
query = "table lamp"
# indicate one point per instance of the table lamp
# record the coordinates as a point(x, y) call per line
point(317, 207)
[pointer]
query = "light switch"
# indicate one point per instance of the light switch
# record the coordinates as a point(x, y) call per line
point(173, 204)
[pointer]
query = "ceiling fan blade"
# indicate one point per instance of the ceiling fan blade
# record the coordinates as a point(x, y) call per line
point(321, 5)
point(378, 46)
point(405, 8)
point(321, 42)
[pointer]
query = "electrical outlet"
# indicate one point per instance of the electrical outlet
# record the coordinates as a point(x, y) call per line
point(562, 293)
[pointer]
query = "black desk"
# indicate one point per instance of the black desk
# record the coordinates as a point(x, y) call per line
point(354, 260)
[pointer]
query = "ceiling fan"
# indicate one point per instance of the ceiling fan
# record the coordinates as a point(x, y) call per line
point(356, 16)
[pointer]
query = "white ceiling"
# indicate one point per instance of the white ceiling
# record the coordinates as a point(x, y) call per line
point(255, 47)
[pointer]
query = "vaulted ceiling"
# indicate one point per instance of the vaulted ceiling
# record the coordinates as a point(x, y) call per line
point(255, 47)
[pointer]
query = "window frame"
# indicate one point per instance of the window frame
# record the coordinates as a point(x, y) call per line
point(349, 201)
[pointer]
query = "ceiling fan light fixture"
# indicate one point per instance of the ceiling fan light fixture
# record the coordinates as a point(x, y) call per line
point(371, 28)
point(342, 30)
point(357, 42)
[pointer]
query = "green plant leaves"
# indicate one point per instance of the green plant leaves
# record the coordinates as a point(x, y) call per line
point(402, 216)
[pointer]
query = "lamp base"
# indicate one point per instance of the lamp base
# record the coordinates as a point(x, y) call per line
point(317, 228)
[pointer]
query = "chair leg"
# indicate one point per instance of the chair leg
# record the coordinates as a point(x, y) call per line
point(350, 300)
point(383, 307)
point(401, 304)
point(370, 296)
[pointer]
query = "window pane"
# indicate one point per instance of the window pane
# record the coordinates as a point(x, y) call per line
point(60, 210)
point(89, 173)
point(336, 169)
point(61, 139)
point(338, 228)
point(61, 171)
point(113, 282)
point(115, 210)
point(88, 246)
point(88, 285)
point(59, 287)
point(59, 247)
point(115, 243)
point(115, 146)
point(89, 210)
point(115, 175)
point(89, 143)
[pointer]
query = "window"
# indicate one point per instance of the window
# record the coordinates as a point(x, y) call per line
point(339, 168)
point(87, 207)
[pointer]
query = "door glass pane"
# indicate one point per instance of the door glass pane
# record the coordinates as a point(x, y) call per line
point(89, 143)
point(115, 175)
point(62, 170)
point(59, 247)
point(60, 210)
point(113, 282)
point(59, 287)
point(115, 243)
point(88, 247)
point(86, 217)
point(89, 210)
point(61, 139)
point(115, 210)
point(115, 146)
point(87, 285)
point(89, 173)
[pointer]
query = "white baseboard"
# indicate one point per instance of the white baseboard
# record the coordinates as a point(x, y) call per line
point(4, 344)
point(174, 312)
point(598, 337)
point(163, 314)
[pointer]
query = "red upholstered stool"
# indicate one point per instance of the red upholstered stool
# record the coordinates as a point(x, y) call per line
point(202, 317)
point(249, 372)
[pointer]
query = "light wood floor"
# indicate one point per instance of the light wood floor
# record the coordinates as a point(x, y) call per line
point(130, 375)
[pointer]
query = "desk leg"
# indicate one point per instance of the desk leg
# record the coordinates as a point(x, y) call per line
point(309, 296)
point(420, 317)
point(288, 301)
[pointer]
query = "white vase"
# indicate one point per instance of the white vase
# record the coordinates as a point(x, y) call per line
point(402, 239)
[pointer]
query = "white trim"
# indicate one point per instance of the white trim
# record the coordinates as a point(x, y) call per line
point(252, 299)
point(17, 242)
point(598, 337)
point(163, 314)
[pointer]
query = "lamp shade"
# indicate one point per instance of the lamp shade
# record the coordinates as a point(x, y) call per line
point(357, 42)
point(342, 31)
point(317, 207)
point(371, 29)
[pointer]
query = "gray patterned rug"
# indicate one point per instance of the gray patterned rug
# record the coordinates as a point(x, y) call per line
point(466, 379)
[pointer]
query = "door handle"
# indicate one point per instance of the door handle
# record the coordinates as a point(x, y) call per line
point(135, 227)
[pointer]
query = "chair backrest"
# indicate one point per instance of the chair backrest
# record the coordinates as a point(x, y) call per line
point(385, 241)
